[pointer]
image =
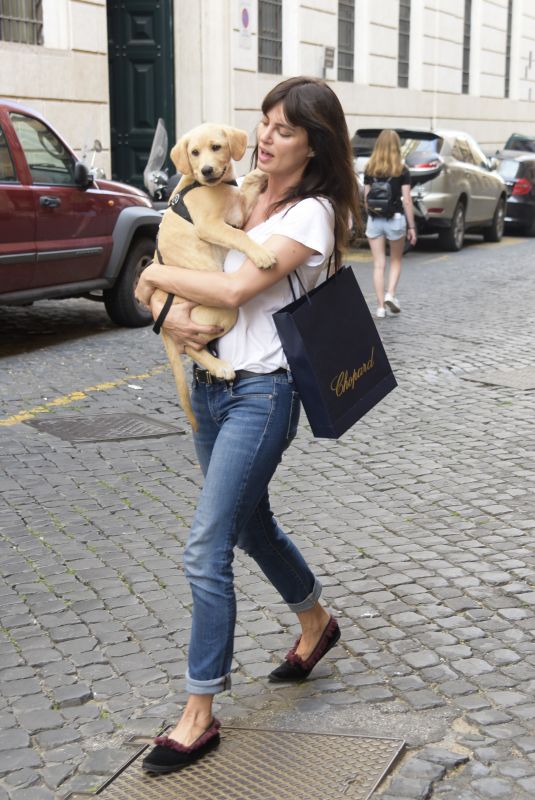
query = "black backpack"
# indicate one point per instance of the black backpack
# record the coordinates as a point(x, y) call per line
point(380, 198)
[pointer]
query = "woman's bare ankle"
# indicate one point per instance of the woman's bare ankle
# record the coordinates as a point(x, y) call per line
point(313, 623)
point(196, 718)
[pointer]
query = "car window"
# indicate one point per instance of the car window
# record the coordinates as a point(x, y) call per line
point(478, 155)
point(410, 146)
point(461, 151)
point(7, 169)
point(508, 168)
point(48, 159)
point(519, 142)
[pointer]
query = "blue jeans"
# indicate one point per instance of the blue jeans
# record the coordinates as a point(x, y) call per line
point(244, 428)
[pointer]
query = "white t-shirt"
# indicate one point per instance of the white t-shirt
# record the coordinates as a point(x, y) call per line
point(253, 343)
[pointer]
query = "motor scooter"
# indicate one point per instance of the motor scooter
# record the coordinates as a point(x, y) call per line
point(156, 178)
point(96, 173)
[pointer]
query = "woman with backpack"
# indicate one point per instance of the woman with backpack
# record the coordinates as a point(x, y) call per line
point(388, 200)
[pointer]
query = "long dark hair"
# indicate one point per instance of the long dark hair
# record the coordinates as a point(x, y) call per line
point(311, 104)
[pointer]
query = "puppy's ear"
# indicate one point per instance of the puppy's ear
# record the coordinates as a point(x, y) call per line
point(238, 142)
point(179, 156)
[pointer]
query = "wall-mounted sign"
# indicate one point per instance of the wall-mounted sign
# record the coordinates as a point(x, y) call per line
point(244, 11)
point(328, 58)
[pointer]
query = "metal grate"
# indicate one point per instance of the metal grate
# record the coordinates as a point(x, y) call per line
point(270, 36)
point(21, 21)
point(467, 34)
point(404, 39)
point(266, 765)
point(523, 378)
point(104, 427)
point(346, 39)
point(508, 49)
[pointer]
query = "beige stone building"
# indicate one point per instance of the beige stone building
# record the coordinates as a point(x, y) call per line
point(110, 69)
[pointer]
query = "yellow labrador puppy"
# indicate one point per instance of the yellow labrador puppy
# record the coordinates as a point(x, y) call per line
point(203, 221)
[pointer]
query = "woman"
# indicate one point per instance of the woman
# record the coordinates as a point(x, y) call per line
point(385, 164)
point(246, 424)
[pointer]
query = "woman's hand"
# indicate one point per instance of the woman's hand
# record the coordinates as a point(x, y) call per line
point(179, 325)
point(411, 236)
point(144, 289)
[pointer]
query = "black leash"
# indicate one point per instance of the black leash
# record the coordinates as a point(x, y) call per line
point(163, 313)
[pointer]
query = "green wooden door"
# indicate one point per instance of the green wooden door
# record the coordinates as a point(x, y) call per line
point(140, 47)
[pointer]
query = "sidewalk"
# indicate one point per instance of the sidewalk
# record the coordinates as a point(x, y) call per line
point(420, 523)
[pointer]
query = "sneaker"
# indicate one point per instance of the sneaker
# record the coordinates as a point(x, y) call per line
point(380, 313)
point(392, 303)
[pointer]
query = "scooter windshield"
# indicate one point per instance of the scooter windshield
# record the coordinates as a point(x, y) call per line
point(157, 156)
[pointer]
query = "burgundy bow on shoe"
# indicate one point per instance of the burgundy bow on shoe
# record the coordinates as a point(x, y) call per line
point(294, 668)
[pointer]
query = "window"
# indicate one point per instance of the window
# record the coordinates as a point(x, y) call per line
point(7, 170)
point(508, 48)
point(48, 159)
point(346, 39)
point(508, 169)
point(404, 42)
point(461, 151)
point(466, 45)
point(478, 156)
point(21, 21)
point(270, 36)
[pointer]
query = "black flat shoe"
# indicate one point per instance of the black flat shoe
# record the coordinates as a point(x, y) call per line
point(170, 756)
point(294, 668)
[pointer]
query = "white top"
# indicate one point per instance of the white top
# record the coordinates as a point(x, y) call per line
point(253, 343)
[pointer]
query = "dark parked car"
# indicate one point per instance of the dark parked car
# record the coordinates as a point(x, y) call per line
point(518, 171)
point(455, 186)
point(63, 232)
point(517, 141)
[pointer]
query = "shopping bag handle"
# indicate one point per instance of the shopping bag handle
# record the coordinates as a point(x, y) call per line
point(300, 282)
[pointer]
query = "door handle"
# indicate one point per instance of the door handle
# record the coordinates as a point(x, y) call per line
point(49, 202)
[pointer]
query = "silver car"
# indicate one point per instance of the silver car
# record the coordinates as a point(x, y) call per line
point(455, 187)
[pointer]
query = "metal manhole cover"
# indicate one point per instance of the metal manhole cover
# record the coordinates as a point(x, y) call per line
point(523, 378)
point(103, 427)
point(266, 765)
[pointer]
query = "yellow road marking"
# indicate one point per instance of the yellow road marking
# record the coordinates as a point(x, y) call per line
point(72, 397)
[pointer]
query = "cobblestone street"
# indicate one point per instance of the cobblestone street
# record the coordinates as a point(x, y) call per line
point(420, 523)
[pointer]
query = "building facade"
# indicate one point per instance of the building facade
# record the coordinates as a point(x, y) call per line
point(464, 64)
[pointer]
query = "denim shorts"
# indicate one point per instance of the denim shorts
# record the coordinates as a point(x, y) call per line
point(392, 229)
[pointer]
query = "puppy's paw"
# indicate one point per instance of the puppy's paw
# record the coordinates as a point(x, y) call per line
point(223, 370)
point(256, 178)
point(263, 258)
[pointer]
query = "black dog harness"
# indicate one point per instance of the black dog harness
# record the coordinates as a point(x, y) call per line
point(178, 205)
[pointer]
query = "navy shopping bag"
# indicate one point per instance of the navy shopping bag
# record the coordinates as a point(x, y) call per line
point(335, 354)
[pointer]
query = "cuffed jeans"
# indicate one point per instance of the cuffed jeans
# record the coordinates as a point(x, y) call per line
point(244, 428)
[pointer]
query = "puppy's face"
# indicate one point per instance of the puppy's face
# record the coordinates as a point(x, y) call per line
point(206, 152)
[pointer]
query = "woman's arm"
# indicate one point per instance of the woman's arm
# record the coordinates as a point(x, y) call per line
point(409, 213)
point(221, 289)
point(366, 192)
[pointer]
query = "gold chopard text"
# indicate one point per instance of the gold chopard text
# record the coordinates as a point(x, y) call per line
point(345, 381)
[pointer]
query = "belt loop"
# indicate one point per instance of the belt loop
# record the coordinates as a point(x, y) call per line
point(209, 379)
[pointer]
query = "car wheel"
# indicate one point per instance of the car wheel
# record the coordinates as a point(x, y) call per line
point(495, 232)
point(120, 301)
point(453, 237)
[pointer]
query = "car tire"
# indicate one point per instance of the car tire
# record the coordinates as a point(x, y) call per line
point(452, 239)
point(495, 232)
point(120, 301)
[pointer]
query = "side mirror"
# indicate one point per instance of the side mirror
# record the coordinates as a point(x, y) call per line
point(492, 163)
point(82, 177)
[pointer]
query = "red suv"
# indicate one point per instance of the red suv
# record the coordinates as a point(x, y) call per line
point(64, 233)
